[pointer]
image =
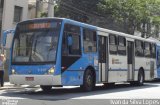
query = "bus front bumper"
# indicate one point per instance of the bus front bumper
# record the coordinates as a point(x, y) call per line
point(35, 79)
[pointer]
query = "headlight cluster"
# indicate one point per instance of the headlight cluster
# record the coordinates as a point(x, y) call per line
point(13, 71)
point(51, 71)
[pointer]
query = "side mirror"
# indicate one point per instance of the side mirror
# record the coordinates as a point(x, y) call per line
point(70, 40)
point(4, 37)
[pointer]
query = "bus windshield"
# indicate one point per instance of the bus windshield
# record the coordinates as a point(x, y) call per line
point(35, 45)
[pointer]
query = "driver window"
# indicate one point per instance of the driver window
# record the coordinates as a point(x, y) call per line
point(71, 44)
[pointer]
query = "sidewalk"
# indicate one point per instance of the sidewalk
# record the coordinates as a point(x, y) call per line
point(7, 85)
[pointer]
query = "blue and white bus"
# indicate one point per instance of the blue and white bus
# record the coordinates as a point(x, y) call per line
point(157, 72)
point(62, 52)
point(158, 61)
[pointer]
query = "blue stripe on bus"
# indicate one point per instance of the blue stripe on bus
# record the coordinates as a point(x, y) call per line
point(158, 73)
point(118, 69)
point(126, 70)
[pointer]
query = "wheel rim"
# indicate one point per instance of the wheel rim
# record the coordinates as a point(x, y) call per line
point(141, 79)
point(89, 81)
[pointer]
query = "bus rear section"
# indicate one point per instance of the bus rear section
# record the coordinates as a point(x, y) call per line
point(158, 62)
point(34, 53)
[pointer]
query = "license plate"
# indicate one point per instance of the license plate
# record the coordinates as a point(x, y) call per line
point(29, 78)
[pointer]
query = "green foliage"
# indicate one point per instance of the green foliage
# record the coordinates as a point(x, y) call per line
point(56, 10)
point(43, 14)
point(132, 12)
point(156, 20)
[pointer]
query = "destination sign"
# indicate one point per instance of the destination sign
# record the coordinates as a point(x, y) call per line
point(38, 25)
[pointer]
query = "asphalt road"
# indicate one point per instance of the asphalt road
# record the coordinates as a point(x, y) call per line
point(75, 96)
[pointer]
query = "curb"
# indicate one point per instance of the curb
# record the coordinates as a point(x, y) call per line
point(10, 87)
point(7, 88)
point(15, 87)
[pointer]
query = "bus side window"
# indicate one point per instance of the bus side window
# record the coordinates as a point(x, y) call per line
point(139, 46)
point(153, 50)
point(158, 59)
point(112, 44)
point(121, 45)
point(89, 40)
point(147, 51)
point(71, 40)
point(64, 44)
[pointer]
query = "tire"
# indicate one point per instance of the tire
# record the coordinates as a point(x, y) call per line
point(46, 88)
point(140, 81)
point(88, 81)
point(140, 78)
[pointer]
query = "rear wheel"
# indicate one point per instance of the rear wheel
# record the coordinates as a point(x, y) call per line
point(140, 81)
point(140, 78)
point(46, 88)
point(88, 81)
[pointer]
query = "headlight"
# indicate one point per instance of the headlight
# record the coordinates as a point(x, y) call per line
point(51, 71)
point(13, 71)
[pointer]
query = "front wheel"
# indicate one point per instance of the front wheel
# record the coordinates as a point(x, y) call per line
point(88, 81)
point(46, 88)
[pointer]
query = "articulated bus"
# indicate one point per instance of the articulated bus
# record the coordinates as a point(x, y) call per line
point(62, 52)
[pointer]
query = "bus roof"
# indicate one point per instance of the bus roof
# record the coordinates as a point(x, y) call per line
point(95, 28)
point(108, 31)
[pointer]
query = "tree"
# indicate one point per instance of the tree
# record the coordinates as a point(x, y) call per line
point(133, 14)
point(77, 9)
point(43, 14)
point(86, 11)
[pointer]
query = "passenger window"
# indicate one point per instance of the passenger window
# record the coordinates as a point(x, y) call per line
point(71, 44)
point(147, 51)
point(158, 58)
point(139, 48)
point(112, 44)
point(153, 51)
point(121, 45)
point(89, 40)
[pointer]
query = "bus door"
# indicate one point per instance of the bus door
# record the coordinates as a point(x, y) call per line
point(130, 59)
point(103, 58)
point(158, 61)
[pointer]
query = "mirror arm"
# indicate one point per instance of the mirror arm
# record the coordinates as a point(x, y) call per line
point(4, 37)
